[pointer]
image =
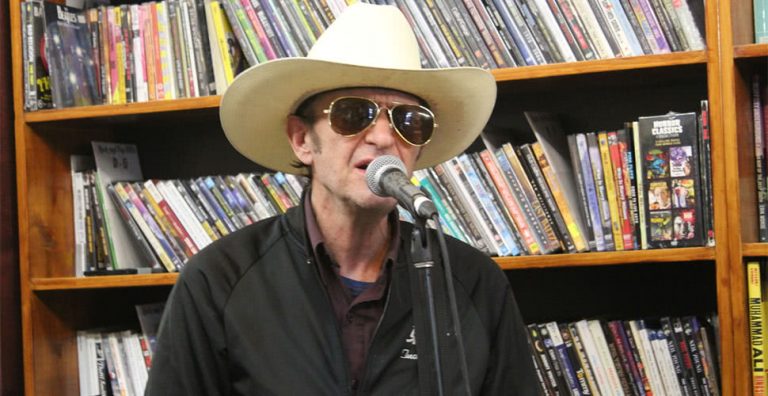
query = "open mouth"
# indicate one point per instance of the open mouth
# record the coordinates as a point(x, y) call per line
point(363, 165)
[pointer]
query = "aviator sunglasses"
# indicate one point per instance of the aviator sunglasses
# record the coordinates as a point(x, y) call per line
point(350, 115)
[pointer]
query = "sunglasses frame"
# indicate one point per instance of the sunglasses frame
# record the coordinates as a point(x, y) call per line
point(376, 117)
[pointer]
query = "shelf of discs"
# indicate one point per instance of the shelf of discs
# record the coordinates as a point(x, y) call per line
point(618, 182)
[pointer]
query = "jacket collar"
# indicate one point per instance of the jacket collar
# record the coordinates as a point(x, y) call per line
point(296, 222)
point(399, 304)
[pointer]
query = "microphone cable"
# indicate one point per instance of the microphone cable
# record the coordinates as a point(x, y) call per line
point(452, 303)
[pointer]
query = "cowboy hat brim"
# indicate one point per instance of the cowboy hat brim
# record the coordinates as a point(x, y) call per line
point(255, 107)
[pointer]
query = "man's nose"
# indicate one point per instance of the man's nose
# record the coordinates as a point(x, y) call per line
point(381, 133)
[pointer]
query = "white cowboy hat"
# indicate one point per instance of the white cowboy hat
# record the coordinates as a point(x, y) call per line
point(367, 46)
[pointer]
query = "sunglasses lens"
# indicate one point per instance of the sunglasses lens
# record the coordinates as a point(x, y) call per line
point(414, 123)
point(352, 115)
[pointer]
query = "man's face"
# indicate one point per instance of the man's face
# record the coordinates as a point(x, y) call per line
point(678, 226)
point(339, 162)
point(663, 196)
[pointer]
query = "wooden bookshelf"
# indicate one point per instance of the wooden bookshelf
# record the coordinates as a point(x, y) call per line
point(681, 255)
point(601, 65)
point(182, 138)
point(506, 263)
point(755, 249)
point(124, 110)
point(103, 282)
point(740, 60)
point(750, 51)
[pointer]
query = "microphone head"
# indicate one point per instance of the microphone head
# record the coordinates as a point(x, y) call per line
point(380, 166)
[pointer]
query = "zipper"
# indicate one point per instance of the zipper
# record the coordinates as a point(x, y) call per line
point(348, 384)
point(304, 244)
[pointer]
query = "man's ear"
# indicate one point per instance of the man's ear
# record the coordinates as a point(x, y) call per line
point(298, 136)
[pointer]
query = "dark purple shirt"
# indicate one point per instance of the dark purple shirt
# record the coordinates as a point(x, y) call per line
point(359, 316)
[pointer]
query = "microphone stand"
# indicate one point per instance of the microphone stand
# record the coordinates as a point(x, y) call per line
point(421, 259)
point(423, 264)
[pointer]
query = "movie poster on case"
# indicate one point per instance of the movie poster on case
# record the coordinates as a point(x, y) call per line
point(672, 184)
point(70, 60)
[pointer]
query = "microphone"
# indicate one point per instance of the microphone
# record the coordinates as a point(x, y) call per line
point(386, 177)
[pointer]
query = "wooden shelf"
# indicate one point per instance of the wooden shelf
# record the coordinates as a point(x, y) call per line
point(607, 258)
point(600, 66)
point(108, 111)
point(182, 138)
point(750, 50)
point(103, 282)
point(506, 263)
point(757, 249)
point(507, 74)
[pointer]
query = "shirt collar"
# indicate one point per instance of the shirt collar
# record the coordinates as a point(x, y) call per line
point(317, 242)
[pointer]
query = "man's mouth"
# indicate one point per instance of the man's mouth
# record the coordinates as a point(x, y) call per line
point(363, 165)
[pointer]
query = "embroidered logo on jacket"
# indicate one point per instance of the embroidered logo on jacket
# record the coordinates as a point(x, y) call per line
point(410, 352)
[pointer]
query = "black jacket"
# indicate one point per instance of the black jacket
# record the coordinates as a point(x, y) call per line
point(250, 316)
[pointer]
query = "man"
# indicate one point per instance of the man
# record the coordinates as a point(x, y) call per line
point(660, 197)
point(318, 301)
